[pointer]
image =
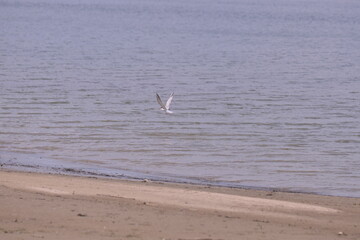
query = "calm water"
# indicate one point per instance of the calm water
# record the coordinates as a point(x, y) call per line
point(267, 93)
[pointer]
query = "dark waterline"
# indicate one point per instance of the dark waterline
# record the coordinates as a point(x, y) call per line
point(27, 163)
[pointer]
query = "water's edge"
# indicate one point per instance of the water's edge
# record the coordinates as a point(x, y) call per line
point(83, 170)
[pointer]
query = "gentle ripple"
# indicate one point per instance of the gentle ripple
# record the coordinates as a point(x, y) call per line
point(266, 93)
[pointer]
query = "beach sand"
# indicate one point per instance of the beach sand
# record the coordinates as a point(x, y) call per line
point(45, 206)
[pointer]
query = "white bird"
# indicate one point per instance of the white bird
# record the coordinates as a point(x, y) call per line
point(165, 107)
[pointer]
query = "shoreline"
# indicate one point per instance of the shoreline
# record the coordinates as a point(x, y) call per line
point(133, 176)
point(36, 205)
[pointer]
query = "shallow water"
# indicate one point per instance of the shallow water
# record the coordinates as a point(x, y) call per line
point(266, 93)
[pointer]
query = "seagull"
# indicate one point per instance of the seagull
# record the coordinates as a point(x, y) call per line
point(165, 107)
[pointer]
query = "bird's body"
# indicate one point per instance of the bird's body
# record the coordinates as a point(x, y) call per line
point(165, 107)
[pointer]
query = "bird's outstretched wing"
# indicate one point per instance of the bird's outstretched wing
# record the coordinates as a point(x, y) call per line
point(168, 102)
point(160, 102)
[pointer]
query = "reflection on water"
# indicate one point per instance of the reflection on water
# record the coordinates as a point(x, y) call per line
point(266, 94)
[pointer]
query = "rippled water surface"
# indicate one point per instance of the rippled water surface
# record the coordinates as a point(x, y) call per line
point(267, 93)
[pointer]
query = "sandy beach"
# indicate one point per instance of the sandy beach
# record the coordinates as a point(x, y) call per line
point(44, 206)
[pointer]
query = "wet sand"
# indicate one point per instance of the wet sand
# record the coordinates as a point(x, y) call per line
point(44, 206)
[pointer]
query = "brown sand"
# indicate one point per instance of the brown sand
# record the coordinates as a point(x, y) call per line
point(35, 206)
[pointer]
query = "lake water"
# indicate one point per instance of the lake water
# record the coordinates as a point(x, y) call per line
point(267, 93)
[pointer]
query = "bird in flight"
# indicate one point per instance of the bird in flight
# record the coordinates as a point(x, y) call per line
point(165, 107)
